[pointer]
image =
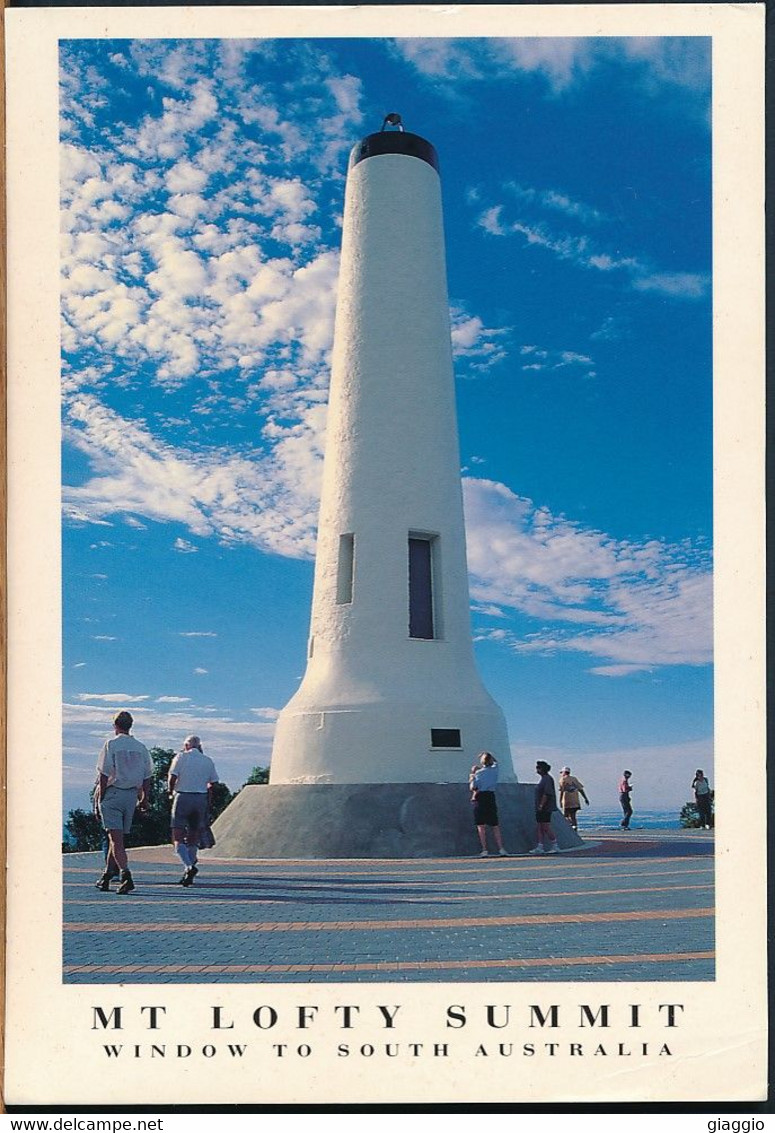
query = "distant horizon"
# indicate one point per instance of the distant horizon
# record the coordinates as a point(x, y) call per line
point(202, 187)
point(591, 820)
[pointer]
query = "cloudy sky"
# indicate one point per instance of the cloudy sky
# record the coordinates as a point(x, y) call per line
point(202, 188)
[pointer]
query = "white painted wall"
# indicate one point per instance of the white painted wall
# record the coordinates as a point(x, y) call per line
point(371, 694)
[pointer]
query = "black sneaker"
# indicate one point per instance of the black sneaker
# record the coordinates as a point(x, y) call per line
point(188, 877)
point(127, 885)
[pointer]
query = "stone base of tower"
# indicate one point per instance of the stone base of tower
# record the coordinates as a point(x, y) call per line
point(373, 820)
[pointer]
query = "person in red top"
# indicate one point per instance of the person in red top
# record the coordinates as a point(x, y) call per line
point(625, 790)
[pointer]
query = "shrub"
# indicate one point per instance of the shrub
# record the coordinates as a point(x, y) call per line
point(259, 776)
point(84, 831)
point(690, 816)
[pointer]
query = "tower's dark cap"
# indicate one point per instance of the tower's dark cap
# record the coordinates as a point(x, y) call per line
point(394, 141)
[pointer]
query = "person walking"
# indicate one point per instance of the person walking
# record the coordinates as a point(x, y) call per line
point(545, 806)
point(625, 792)
point(702, 798)
point(125, 769)
point(482, 781)
point(105, 841)
point(570, 788)
point(191, 776)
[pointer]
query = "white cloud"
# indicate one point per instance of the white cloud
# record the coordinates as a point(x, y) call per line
point(185, 177)
point(536, 359)
point(631, 604)
point(583, 252)
point(488, 611)
point(478, 347)
point(490, 220)
point(173, 699)
point(675, 66)
point(266, 713)
point(611, 329)
point(270, 500)
point(180, 282)
point(561, 61)
point(199, 672)
point(112, 697)
point(619, 670)
point(675, 285)
point(551, 200)
point(184, 547)
point(197, 633)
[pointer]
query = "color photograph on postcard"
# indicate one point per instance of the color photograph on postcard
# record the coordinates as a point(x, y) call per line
point(430, 319)
point(385, 560)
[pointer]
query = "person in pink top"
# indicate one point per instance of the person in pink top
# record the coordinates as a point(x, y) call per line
point(625, 791)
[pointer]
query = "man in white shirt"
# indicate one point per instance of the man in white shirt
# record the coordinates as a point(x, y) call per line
point(191, 775)
point(125, 771)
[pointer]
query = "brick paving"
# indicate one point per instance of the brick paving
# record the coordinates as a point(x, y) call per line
point(624, 907)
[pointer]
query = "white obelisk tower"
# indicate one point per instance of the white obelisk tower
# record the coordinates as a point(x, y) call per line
point(371, 756)
point(391, 692)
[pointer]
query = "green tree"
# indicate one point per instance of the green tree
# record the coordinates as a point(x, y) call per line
point(84, 830)
point(151, 827)
point(259, 776)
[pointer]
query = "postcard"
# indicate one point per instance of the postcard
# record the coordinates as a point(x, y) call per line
point(214, 216)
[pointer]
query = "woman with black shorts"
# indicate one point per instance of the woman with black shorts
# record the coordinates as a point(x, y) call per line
point(482, 782)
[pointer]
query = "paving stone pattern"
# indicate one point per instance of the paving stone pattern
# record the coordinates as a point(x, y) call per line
point(629, 907)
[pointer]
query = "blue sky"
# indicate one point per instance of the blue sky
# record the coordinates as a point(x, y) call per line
point(202, 189)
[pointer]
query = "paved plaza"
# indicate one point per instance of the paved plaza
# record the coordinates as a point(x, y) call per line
point(626, 906)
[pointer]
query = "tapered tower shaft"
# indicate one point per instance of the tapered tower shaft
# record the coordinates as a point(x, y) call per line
point(391, 693)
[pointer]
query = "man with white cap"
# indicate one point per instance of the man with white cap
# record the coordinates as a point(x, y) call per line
point(191, 775)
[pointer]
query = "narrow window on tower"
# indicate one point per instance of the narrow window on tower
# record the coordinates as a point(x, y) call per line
point(422, 552)
point(344, 577)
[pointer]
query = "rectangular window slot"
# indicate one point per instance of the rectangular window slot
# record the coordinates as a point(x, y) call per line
point(345, 569)
point(421, 572)
point(445, 737)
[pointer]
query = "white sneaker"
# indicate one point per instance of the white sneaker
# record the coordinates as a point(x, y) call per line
point(553, 849)
point(537, 850)
point(485, 854)
point(503, 853)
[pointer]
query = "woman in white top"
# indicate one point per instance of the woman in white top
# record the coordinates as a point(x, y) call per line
point(482, 780)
